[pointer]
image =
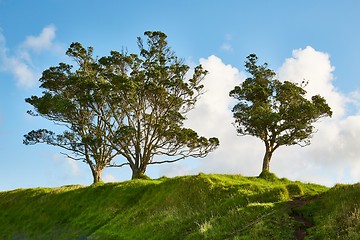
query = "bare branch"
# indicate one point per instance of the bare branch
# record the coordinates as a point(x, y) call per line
point(168, 161)
point(117, 165)
point(71, 157)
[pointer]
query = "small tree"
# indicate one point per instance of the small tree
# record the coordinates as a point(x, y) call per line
point(65, 102)
point(149, 97)
point(276, 112)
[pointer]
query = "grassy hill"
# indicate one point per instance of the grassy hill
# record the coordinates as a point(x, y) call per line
point(189, 207)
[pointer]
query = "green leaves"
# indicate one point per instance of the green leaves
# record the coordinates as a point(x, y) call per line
point(123, 104)
point(276, 112)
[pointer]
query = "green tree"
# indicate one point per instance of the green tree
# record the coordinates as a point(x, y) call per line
point(65, 101)
point(149, 95)
point(276, 112)
point(122, 104)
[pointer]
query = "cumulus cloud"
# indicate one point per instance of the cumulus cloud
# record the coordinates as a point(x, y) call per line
point(19, 64)
point(332, 157)
point(315, 67)
point(212, 117)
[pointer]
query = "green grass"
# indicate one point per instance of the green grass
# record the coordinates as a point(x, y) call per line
point(336, 213)
point(189, 207)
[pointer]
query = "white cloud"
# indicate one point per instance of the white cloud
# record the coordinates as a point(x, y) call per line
point(70, 167)
point(314, 66)
point(44, 41)
point(20, 63)
point(110, 178)
point(334, 154)
point(332, 157)
point(175, 169)
point(226, 47)
point(212, 117)
point(25, 75)
point(74, 167)
point(354, 102)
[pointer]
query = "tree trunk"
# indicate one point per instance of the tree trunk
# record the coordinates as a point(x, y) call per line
point(97, 175)
point(138, 173)
point(266, 161)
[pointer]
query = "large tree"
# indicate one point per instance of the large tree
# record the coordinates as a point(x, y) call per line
point(123, 104)
point(276, 112)
point(65, 101)
point(149, 95)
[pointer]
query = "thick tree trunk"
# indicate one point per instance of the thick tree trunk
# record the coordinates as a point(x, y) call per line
point(266, 161)
point(138, 173)
point(97, 175)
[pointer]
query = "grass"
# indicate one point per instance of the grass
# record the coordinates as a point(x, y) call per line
point(336, 213)
point(189, 207)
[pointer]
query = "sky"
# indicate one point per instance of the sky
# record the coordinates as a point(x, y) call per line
point(314, 40)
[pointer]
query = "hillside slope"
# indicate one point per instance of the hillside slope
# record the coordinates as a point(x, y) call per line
point(189, 207)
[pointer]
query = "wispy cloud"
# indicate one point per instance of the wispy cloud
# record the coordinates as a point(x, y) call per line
point(74, 167)
point(109, 178)
point(19, 64)
point(43, 42)
point(70, 166)
point(25, 75)
point(226, 46)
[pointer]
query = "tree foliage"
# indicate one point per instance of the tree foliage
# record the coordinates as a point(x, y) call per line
point(276, 112)
point(149, 97)
point(65, 102)
point(122, 104)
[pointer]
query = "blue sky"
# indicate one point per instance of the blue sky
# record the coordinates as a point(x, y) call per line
point(317, 40)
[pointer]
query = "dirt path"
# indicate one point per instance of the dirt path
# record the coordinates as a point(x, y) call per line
point(294, 205)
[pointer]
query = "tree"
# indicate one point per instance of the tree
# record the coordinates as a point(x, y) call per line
point(149, 97)
point(65, 102)
point(276, 112)
point(122, 104)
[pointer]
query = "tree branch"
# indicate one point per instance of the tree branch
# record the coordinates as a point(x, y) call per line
point(168, 161)
point(73, 158)
point(117, 165)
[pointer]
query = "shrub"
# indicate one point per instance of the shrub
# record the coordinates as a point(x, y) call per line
point(274, 194)
point(268, 176)
point(294, 190)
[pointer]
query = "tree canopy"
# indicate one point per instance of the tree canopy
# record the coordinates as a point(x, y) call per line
point(149, 96)
point(65, 101)
point(123, 104)
point(276, 112)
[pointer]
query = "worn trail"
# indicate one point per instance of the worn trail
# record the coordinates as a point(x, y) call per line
point(294, 207)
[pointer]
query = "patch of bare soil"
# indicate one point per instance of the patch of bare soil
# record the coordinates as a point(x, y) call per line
point(294, 212)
